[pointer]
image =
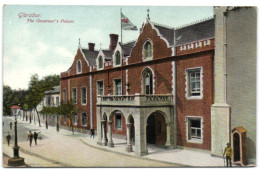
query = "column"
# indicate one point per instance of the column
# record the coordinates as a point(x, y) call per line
point(110, 140)
point(99, 126)
point(129, 147)
point(168, 137)
point(104, 142)
point(140, 135)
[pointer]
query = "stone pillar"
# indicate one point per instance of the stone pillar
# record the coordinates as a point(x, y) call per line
point(129, 147)
point(104, 141)
point(110, 140)
point(99, 126)
point(140, 135)
point(168, 137)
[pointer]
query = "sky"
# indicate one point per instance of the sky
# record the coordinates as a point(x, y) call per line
point(49, 48)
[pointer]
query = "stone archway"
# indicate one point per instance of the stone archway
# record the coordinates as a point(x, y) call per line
point(156, 129)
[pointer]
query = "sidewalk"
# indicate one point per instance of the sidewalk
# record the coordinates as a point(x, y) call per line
point(182, 157)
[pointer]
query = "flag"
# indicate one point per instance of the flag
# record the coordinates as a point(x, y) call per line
point(127, 24)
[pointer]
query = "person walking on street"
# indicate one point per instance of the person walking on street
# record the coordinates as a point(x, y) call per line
point(8, 138)
point(228, 151)
point(35, 136)
point(11, 125)
point(30, 137)
point(92, 133)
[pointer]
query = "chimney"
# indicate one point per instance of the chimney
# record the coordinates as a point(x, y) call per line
point(91, 46)
point(113, 41)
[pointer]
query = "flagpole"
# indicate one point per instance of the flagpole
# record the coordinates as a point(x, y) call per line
point(121, 24)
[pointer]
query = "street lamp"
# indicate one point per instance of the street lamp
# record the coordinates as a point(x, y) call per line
point(16, 160)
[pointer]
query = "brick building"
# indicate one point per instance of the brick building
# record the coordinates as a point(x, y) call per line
point(157, 89)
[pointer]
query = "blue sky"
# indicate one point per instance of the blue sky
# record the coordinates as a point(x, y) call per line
point(49, 48)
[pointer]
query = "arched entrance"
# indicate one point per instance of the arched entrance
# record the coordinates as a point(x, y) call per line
point(156, 129)
point(132, 129)
point(236, 145)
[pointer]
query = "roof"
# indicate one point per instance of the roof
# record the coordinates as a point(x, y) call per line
point(127, 47)
point(166, 32)
point(108, 54)
point(240, 129)
point(55, 90)
point(198, 31)
point(90, 56)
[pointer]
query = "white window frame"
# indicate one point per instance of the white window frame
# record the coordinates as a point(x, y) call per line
point(75, 122)
point(81, 94)
point(64, 95)
point(206, 42)
point(73, 94)
point(187, 83)
point(187, 119)
point(77, 68)
point(82, 119)
point(98, 81)
point(116, 127)
point(114, 60)
point(143, 52)
point(115, 87)
point(190, 46)
point(99, 68)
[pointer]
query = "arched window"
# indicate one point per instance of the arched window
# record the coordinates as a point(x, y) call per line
point(79, 66)
point(148, 81)
point(117, 58)
point(84, 119)
point(148, 50)
point(100, 62)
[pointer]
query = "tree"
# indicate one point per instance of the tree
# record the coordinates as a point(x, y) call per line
point(68, 109)
point(37, 88)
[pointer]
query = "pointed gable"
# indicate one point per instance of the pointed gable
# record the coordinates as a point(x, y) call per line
point(161, 47)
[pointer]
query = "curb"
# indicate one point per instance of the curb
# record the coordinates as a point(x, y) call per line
point(107, 150)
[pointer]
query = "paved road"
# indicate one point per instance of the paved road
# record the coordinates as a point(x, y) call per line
point(67, 150)
point(22, 129)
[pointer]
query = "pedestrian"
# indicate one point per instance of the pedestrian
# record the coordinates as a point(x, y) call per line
point(92, 133)
point(35, 136)
point(228, 152)
point(11, 125)
point(30, 138)
point(8, 138)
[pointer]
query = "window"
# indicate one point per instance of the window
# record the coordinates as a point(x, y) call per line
point(48, 101)
point(57, 101)
point(75, 120)
point(100, 90)
point(52, 101)
point(118, 121)
point(83, 95)
point(100, 62)
point(79, 66)
point(118, 87)
point(64, 95)
point(74, 95)
point(148, 50)
point(194, 129)
point(64, 118)
point(198, 44)
point(194, 83)
point(117, 58)
point(148, 81)
point(84, 119)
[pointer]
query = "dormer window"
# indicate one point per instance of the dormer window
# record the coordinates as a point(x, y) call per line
point(117, 58)
point(100, 62)
point(148, 52)
point(79, 67)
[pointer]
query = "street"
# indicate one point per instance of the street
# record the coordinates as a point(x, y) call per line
point(63, 149)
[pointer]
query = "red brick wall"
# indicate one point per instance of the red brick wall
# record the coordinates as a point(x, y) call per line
point(192, 107)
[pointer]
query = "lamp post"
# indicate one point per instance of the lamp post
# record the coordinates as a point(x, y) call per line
point(16, 160)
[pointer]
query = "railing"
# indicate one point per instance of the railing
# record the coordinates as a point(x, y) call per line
point(136, 100)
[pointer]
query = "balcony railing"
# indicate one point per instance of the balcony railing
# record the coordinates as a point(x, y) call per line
point(136, 100)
